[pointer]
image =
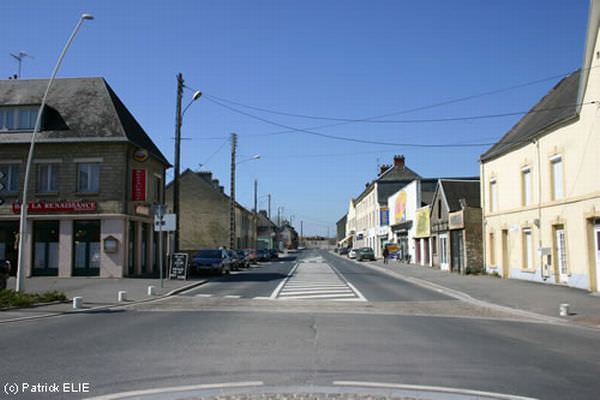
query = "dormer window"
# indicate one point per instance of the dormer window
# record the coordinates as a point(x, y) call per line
point(20, 118)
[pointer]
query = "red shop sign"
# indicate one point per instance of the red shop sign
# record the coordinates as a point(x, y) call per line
point(57, 206)
point(138, 185)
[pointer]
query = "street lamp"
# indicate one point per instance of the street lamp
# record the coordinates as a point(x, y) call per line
point(178, 121)
point(19, 286)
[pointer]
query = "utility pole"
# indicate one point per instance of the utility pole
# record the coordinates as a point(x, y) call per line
point(232, 194)
point(269, 205)
point(302, 232)
point(255, 195)
point(177, 158)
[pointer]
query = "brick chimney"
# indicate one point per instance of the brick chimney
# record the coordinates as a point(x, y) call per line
point(383, 168)
point(399, 161)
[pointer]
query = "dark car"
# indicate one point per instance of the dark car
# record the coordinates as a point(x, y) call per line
point(273, 253)
point(263, 255)
point(244, 259)
point(365, 253)
point(211, 260)
point(344, 250)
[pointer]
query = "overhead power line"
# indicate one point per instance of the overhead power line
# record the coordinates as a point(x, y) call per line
point(411, 121)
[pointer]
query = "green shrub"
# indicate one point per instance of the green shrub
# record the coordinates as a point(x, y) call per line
point(10, 298)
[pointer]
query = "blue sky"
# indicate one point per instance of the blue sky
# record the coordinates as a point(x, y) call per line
point(340, 59)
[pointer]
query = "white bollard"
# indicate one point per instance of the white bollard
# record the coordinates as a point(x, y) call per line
point(564, 310)
point(122, 296)
point(151, 290)
point(77, 301)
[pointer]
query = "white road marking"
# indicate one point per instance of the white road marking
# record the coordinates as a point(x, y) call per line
point(173, 389)
point(318, 296)
point(278, 288)
point(232, 296)
point(439, 389)
point(203, 295)
point(261, 298)
point(298, 292)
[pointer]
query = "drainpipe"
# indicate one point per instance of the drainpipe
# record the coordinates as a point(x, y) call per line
point(539, 219)
point(483, 221)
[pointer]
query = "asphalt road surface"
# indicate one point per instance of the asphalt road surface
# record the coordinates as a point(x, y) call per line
point(306, 321)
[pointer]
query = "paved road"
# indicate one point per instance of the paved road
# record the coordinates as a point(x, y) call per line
point(304, 341)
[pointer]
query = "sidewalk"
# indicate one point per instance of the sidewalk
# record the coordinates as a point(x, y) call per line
point(533, 297)
point(96, 292)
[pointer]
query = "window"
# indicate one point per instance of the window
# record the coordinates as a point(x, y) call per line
point(158, 188)
point(88, 178)
point(439, 208)
point(492, 250)
point(557, 178)
point(527, 249)
point(18, 118)
point(493, 196)
point(526, 186)
point(561, 250)
point(47, 178)
point(9, 178)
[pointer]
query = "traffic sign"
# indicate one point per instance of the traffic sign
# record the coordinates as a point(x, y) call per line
point(167, 222)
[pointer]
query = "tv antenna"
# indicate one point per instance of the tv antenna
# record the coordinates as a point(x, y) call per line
point(19, 57)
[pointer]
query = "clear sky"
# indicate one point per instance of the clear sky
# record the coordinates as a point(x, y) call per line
point(320, 58)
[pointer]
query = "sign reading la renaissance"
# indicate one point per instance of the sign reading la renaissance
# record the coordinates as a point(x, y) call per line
point(138, 184)
point(57, 206)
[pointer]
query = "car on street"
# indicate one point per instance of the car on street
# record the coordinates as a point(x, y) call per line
point(263, 255)
point(352, 253)
point(344, 251)
point(365, 253)
point(211, 260)
point(244, 259)
point(251, 255)
point(274, 254)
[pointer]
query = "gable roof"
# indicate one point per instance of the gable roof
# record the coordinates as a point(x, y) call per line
point(77, 109)
point(455, 190)
point(558, 105)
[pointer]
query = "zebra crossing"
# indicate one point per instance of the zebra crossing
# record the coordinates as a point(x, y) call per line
point(313, 279)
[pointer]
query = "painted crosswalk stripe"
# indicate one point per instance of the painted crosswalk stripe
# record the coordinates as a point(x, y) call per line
point(232, 296)
point(203, 295)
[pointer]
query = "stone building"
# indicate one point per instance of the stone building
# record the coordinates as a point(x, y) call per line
point(94, 178)
point(204, 214)
point(266, 231)
point(456, 226)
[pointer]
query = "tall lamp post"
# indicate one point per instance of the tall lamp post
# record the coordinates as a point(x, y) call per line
point(38, 121)
point(178, 121)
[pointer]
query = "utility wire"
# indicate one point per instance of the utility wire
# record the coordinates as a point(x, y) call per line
point(354, 140)
point(434, 105)
point(409, 121)
point(215, 153)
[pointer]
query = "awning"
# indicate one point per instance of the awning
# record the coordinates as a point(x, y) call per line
point(344, 240)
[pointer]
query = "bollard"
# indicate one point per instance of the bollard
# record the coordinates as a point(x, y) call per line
point(77, 301)
point(122, 296)
point(564, 310)
point(151, 290)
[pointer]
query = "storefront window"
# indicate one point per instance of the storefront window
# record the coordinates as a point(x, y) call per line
point(45, 248)
point(86, 248)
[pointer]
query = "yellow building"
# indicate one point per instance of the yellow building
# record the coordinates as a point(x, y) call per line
point(540, 187)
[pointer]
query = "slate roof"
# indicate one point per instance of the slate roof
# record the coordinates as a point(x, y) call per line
point(558, 105)
point(78, 109)
point(454, 190)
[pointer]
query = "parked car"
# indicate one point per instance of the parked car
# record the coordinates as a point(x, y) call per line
point(244, 259)
point(273, 253)
point(352, 253)
point(251, 255)
point(365, 253)
point(344, 250)
point(211, 260)
point(236, 261)
point(263, 255)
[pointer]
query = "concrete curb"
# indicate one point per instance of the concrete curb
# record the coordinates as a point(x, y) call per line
point(463, 296)
point(107, 306)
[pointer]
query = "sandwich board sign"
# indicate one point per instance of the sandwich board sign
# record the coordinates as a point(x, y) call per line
point(179, 266)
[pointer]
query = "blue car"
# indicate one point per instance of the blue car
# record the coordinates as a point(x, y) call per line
point(211, 260)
